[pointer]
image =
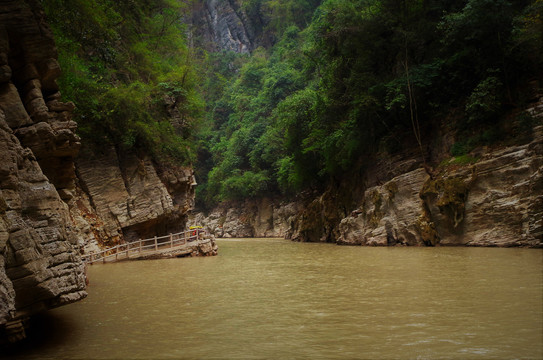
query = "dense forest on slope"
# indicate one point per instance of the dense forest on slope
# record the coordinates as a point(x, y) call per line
point(127, 67)
point(332, 84)
point(361, 78)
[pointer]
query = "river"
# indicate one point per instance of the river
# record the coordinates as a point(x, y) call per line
point(275, 299)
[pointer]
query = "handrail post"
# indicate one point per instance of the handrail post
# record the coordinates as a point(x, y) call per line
point(140, 246)
point(116, 252)
point(171, 240)
point(127, 250)
point(185, 236)
point(156, 244)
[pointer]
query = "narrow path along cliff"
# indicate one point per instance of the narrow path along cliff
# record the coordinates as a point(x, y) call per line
point(57, 199)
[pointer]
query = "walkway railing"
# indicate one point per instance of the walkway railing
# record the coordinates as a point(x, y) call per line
point(146, 247)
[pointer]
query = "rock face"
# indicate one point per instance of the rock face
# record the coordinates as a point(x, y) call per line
point(224, 25)
point(40, 264)
point(252, 218)
point(125, 198)
point(388, 215)
point(496, 201)
point(52, 206)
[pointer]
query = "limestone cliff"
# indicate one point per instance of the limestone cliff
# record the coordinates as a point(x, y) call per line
point(40, 263)
point(495, 201)
point(123, 197)
point(266, 217)
point(56, 202)
point(223, 25)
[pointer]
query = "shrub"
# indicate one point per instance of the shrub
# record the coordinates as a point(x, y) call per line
point(485, 101)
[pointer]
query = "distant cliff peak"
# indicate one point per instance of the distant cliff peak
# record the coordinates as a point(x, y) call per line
point(223, 25)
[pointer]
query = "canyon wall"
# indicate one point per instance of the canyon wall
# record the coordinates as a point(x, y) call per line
point(224, 25)
point(58, 200)
point(497, 201)
point(494, 200)
point(123, 197)
point(40, 263)
point(266, 217)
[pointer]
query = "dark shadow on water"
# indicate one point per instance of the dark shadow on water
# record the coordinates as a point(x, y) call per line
point(45, 331)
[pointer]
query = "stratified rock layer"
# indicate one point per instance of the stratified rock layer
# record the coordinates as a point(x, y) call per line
point(40, 264)
point(389, 214)
point(125, 198)
point(252, 218)
point(496, 201)
point(224, 25)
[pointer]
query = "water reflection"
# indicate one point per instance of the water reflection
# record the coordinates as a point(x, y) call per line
point(277, 299)
point(47, 332)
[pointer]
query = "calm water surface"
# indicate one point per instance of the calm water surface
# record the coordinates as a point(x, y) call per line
point(264, 298)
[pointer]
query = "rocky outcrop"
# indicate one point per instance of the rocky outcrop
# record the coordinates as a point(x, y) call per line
point(496, 200)
point(226, 26)
point(40, 263)
point(50, 209)
point(125, 198)
point(388, 214)
point(316, 217)
point(264, 217)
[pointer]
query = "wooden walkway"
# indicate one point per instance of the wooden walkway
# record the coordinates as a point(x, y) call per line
point(179, 243)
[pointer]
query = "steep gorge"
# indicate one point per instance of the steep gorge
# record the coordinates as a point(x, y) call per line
point(364, 178)
point(40, 264)
point(57, 198)
point(497, 200)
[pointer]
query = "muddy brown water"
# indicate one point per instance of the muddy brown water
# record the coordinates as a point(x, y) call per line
point(275, 299)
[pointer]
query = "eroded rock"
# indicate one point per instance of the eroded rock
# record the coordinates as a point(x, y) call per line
point(497, 201)
point(388, 215)
point(126, 198)
point(264, 217)
point(40, 262)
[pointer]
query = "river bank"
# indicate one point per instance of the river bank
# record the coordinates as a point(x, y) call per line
point(491, 198)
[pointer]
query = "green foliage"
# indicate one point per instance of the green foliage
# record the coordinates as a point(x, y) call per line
point(359, 76)
point(271, 18)
point(335, 82)
point(528, 35)
point(124, 63)
point(465, 159)
point(486, 137)
point(460, 148)
point(485, 101)
point(247, 184)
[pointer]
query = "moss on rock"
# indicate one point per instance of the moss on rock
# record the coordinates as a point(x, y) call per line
point(450, 196)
